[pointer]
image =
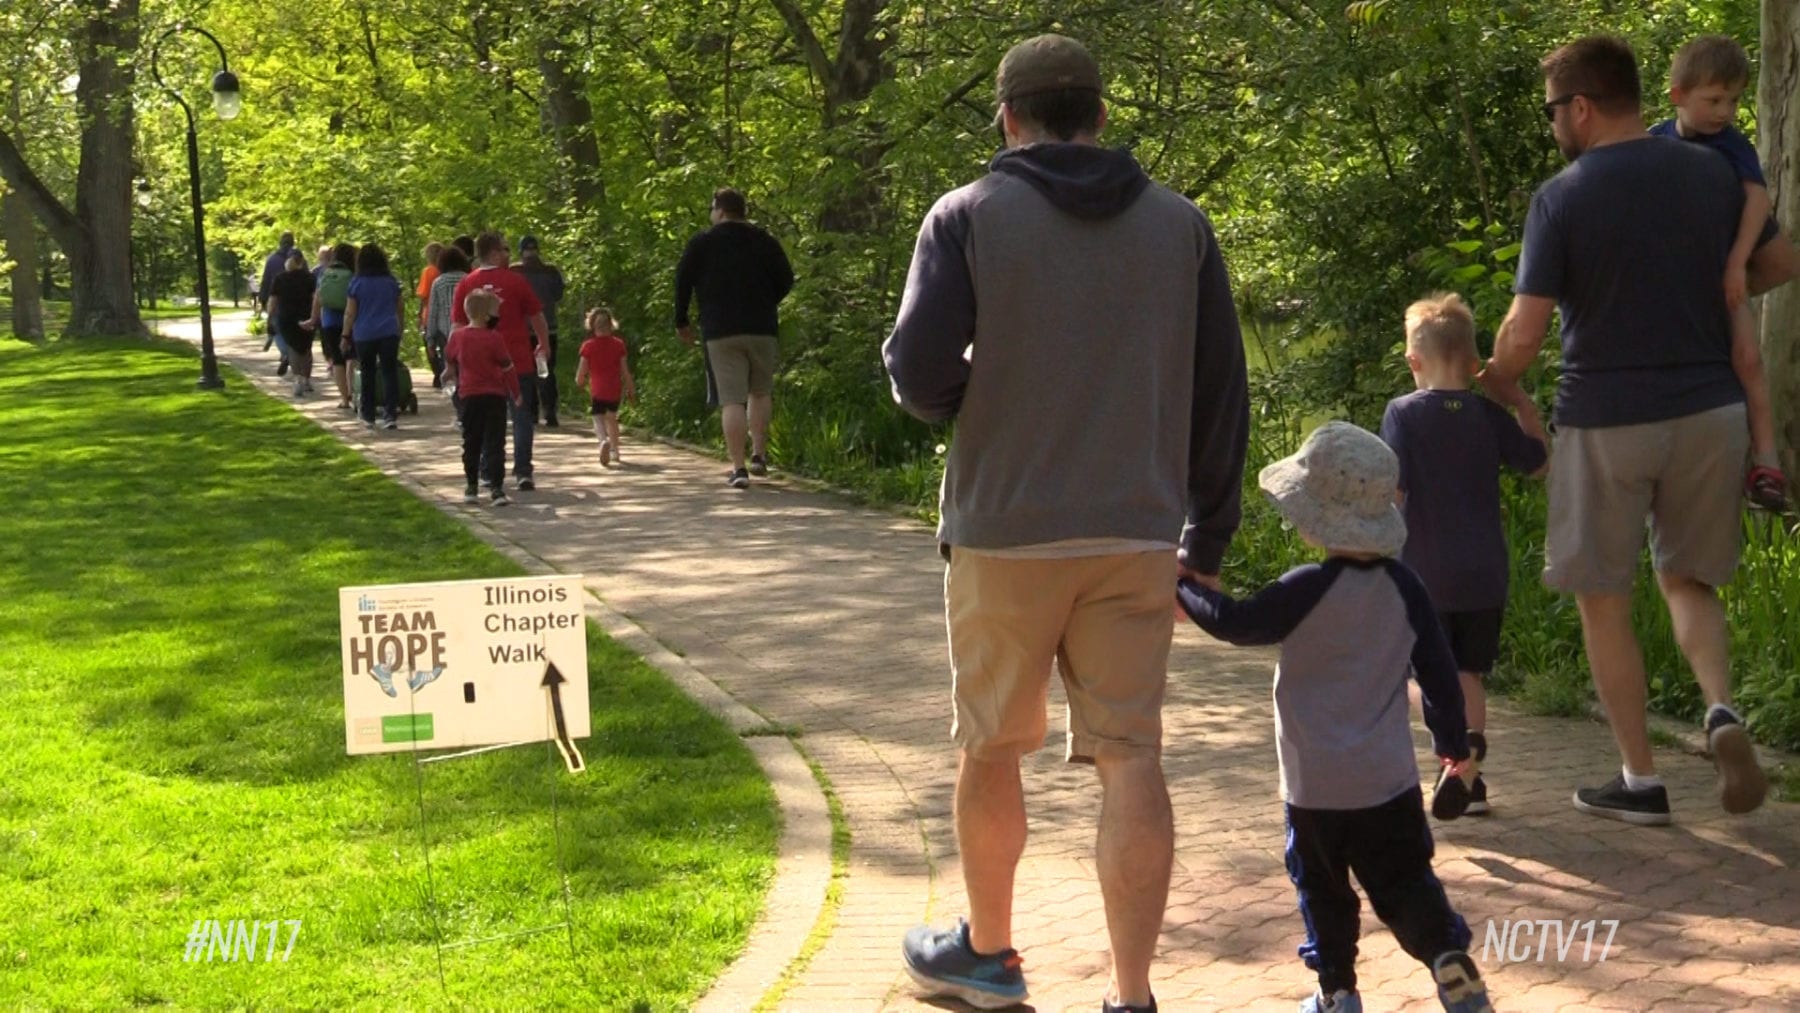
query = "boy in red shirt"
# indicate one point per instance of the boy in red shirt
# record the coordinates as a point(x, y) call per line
point(478, 367)
point(604, 368)
point(519, 318)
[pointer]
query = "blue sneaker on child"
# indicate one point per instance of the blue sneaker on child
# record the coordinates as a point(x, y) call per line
point(1341, 1001)
point(944, 963)
point(1459, 985)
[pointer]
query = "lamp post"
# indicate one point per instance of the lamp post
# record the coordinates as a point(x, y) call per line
point(227, 101)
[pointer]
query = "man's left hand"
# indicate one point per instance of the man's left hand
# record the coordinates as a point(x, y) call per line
point(687, 335)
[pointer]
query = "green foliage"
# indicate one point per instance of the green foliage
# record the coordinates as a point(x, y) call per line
point(176, 739)
point(1352, 155)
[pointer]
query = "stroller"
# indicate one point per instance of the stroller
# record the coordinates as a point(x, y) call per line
point(409, 401)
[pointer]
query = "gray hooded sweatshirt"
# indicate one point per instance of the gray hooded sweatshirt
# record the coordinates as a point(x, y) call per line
point(1076, 320)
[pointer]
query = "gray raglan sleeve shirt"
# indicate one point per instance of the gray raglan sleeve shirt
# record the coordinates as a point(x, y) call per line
point(936, 323)
point(1219, 433)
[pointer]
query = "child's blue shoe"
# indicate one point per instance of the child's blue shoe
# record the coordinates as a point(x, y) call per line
point(944, 963)
point(1341, 1001)
point(1459, 984)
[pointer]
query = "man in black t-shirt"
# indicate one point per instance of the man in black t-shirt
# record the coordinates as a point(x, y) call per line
point(740, 274)
point(1629, 244)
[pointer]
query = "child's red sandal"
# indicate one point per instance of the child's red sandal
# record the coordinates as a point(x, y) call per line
point(1767, 488)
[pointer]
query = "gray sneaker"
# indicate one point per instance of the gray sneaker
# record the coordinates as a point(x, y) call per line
point(1742, 783)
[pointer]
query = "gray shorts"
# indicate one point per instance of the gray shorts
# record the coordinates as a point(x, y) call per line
point(742, 365)
point(1684, 474)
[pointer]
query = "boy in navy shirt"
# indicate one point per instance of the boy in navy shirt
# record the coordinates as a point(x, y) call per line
point(1451, 444)
point(1706, 79)
point(1349, 629)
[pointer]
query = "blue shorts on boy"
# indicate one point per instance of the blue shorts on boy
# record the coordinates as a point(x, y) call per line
point(1349, 632)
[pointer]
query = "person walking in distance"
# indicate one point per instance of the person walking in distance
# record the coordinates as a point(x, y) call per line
point(547, 281)
point(740, 274)
point(1126, 360)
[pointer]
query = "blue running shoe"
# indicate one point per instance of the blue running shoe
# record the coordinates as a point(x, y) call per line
point(1459, 985)
point(423, 677)
point(1341, 1001)
point(385, 676)
point(943, 963)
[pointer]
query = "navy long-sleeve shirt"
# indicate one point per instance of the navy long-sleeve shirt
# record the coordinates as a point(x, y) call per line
point(1349, 632)
point(740, 274)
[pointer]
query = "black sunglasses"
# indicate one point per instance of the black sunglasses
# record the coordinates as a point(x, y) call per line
point(1550, 106)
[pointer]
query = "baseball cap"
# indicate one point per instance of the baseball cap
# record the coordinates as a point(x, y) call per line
point(1045, 63)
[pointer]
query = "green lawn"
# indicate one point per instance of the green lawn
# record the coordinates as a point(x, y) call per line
point(171, 708)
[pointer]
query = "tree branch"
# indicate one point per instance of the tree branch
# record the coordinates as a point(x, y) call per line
point(816, 57)
point(58, 220)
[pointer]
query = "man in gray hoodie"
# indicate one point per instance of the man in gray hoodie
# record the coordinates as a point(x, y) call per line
point(1076, 320)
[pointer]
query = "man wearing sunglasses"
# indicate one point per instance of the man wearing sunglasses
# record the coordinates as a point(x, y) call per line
point(1628, 244)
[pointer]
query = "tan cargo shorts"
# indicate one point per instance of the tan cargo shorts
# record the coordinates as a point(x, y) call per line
point(742, 365)
point(1105, 622)
point(1685, 475)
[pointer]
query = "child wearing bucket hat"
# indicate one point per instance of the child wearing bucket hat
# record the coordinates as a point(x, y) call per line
point(1350, 628)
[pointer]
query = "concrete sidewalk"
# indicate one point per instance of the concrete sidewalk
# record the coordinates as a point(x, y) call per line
point(830, 618)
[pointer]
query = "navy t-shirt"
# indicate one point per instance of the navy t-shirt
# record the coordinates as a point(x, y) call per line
point(1728, 142)
point(1630, 240)
point(1452, 445)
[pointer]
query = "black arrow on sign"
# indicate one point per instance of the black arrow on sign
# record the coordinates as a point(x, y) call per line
point(553, 680)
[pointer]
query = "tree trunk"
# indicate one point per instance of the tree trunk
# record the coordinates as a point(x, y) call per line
point(96, 237)
point(19, 233)
point(571, 122)
point(860, 64)
point(21, 247)
point(101, 298)
point(1778, 133)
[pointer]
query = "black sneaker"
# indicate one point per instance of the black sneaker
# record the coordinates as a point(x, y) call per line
point(1742, 783)
point(1106, 1006)
point(282, 369)
point(759, 467)
point(526, 484)
point(551, 422)
point(1450, 796)
point(471, 496)
point(739, 479)
point(500, 498)
point(1478, 803)
point(1647, 807)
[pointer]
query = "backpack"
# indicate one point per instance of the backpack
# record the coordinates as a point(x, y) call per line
point(334, 287)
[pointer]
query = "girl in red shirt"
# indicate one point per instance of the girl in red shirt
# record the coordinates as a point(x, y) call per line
point(604, 369)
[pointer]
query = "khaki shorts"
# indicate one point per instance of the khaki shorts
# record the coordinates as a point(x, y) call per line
point(1106, 623)
point(1684, 474)
point(742, 365)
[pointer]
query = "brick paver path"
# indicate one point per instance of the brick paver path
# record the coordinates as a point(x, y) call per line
point(830, 617)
